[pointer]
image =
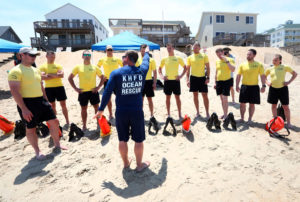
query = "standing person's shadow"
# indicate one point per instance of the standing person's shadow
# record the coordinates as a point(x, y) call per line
point(34, 168)
point(139, 183)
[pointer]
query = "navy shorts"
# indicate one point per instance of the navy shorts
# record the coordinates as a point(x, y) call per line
point(40, 109)
point(130, 123)
point(56, 93)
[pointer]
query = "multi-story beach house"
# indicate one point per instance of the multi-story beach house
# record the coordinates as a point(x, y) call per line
point(68, 26)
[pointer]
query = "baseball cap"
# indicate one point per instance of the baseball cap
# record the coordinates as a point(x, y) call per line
point(28, 50)
point(109, 47)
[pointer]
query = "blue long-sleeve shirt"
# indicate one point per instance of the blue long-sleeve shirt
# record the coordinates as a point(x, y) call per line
point(128, 83)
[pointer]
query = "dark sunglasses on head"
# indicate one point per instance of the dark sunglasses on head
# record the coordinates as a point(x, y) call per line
point(31, 55)
point(109, 50)
point(87, 55)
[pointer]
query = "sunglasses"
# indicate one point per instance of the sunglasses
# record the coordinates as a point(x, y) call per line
point(87, 55)
point(109, 50)
point(30, 55)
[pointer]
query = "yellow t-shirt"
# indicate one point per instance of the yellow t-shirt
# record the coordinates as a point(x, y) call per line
point(87, 76)
point(152, 67)
point(250, 72)
point(30, 79)
point(172, 65)
point(51, 69)
point(109, 64)
point(197, 63)
point(223, 71)
point(277, 74)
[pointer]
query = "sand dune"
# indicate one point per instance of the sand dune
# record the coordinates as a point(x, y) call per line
point(243, 165)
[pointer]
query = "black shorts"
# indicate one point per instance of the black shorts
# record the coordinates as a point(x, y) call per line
point(56, 93)
point(172, 86)
point(40, 109)
point(197, 84)
point(130, 123)
point(148, 89)
point(85, 97)
point(223, 87)
point(231, 82)
point(250, 94)
point(281, 94)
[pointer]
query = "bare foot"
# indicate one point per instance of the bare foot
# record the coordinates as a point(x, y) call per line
point(111, 117)
point(84, 129)
point(222, 117)
point(145, 165)
point(241, 121)
point(249, 122)
point(40, 157)
point(289, 126)
point(127, 165)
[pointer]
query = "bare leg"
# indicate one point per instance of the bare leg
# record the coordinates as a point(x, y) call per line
point(168, 103)
point(224, 100)
point(274, 110)
point(54, 131)
point(65, 110)
point(206, 103)
point(242, 110)
point(232, 94)
point(109, 105)
point(150, 105)
point(84, 116)
point(251, 111)
point(33, 140)
point(287, 114)
point(123, 148)
point(53, 105)
point(178, 103)
point(138, 151)
point(196, 102)
point(96, 107)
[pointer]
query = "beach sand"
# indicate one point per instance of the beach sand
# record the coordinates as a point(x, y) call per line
point(242, 165)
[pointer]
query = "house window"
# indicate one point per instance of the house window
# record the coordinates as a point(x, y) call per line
point(91, 22)
point(205, 38)
point(220, 19)
point(249, 20)
point(210, 19)
point(237, 18)
point(220, 34)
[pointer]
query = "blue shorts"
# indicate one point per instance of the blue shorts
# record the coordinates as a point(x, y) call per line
point(130, 123)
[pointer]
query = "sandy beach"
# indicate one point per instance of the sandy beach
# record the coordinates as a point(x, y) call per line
point(242, 165)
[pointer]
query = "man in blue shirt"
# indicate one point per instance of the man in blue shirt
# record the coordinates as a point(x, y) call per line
point(128, 83)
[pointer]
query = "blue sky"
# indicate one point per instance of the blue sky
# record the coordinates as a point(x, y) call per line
point(21, 14)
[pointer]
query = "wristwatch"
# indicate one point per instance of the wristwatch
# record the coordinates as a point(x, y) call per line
point(207, 77)
point(264, 85)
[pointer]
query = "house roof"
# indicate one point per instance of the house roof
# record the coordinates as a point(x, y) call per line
point(235, 13)
point(182, 23)
point(4, 29)
point(69, 4)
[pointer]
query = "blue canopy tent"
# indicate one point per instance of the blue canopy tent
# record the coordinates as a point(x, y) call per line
point(124, 41)
point(9, 47)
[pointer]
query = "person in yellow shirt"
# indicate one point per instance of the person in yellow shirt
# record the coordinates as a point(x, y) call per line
point(279, 87)
point(87, 91)
point(52, 74)
point(27, 89)
point(196, 77)
point(171, 78)
point(227, 54)
point(109, 64)
point(150, 83)
point(250, 92)
point(224, 67)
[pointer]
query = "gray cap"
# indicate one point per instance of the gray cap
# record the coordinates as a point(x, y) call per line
point(28, 50)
